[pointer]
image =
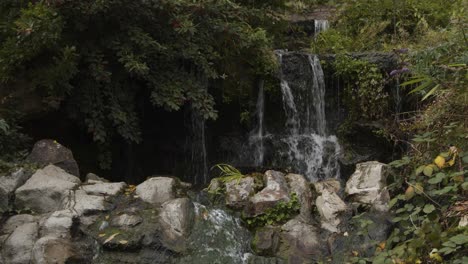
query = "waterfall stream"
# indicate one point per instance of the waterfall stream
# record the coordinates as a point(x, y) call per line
point(321, 25)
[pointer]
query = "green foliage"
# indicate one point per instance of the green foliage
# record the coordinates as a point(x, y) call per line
point(12, 142)
point(279, 214)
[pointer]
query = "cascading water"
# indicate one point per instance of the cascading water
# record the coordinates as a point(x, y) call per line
point(256, 136)
point(321, 25)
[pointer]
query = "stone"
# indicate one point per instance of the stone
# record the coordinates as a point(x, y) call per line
point(215, 185)
point(332, 210)
point(266, 241)
point(83, 204)
point(331, 185)
point(367, 185)
point(300, 186)
point(275, 191)
point(300, 242)
point(19, 245)
point(126, 221)
point(59, 224)
point(51, 249)
point(105, 189)
point(157, 190)
point(8, 185)
point(176, 219)
point(91, 177)
point(239, 191)
point(46, 190)
point(17, 220)
point(49, 151)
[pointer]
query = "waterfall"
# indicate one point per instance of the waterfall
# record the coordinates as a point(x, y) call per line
point(256, 136)
point(199, 165)
point(320, 25)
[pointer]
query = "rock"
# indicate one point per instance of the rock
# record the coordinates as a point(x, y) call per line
point(266, 241)
point(18, 247)
point(331, 185)
point(332, 210)
point(8, 185)
point(17, 220)
point(368, 185)
point(300, 186)
point(102, 188)
point(157, 190)
point(126, 221)
point(46, 190)
point(59, 224)
point(300, 242)
point(239, 191)
point(49, 151)
point(215, 185)
point(51, 249)
point(83, 204)
point(276, 190)
point(176, 219)
point(91, 177)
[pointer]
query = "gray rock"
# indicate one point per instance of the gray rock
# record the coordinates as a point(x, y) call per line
point(239, 191)
point(106, 189)
point(46, 190)
point(176, 219)
point(266, 241)
point(17, 220)
point(59, 224)
point(18, 247)
point(126, 220)
point(300, 242)
point(91, 177)
point(49, 151)
point(332, 210)
point(215, 185)
point(368, 185)
point(157, 190)
point(300, 186)
point(51, 249)
point(8, 185)
point(331, 185)
point(83, 204)
point(276, 190)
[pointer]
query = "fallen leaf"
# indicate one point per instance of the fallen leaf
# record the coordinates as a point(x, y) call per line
point(102, 235)
point(107, 217)
point(123, 242)
point(111, 237)
point(439, 161)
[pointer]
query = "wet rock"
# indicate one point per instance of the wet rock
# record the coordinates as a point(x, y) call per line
point(19, 245)
point(367, 185)
point(51, 249)
point(59, 224)
point(276, 190)
point(157, 190)
point(46, 190)
point(126, 221)
point(239, 191)
point(102, 188)
point(300, 242)
point(300, 186)
point(331, 185)
point(176, 219)
point(266, 241)
point(49, 151)
point(8, 185)
point(333, 211)
point(264, 260)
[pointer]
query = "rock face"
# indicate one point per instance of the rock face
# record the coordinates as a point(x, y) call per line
point(276, 190)
point(368, 185)
point(126, 221)
point(332, 210)
point(48, 151)
point(8, 185)
point(19, 245)
point(300, 186)
point(239, 191)
point(176, 219)
point(331, 185)
point(46, 190)
point(157, 190)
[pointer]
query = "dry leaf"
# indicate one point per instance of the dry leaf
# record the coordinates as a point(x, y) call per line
point(111, 237)
point(102, 235)
point(123, 242)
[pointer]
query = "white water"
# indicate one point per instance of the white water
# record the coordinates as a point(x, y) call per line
point(320, 26)
point(256, 136)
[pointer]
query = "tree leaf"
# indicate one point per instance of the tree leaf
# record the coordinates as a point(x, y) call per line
point(430, 92)
point(439, 161)
point(111, 237)
point(428, 170)
point(429, 208)
point(409, 193)
point(418, 188)
point(420, 169)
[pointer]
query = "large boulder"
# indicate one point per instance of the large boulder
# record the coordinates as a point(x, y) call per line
point(49, 151)
point(46, 190)
point(83, 204)
point(59, 224)
point(157, 190)
point(331, 185)
point(51, 249)
point(300, 186)
point(8, 185)
point(239, 191)
point(275, 191)
point(176, 219)
point(19, 245)
point(367, 185)
point(333, 211)
point(103, 188)
point(126, 221)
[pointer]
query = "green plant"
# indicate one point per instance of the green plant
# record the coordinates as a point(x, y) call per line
point(280, 213)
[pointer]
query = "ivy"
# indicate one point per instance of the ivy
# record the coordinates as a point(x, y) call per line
point(279, 214)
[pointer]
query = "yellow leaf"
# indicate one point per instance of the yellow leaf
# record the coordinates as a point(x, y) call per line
point(440, 162)
point(382, 245)
point(102, 235)
point(435, 255)
point(409, 193)
point(123, 242)
point(111, 237)
point(452, 161)
point(107, 217)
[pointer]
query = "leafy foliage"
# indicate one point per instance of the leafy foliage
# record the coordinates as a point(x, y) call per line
point(280, 213)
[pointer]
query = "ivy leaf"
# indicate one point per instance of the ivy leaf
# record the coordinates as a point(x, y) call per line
point(429, 208)
point(428, 170)
point(420, 169)
point(439, 177)
point(460, 239)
